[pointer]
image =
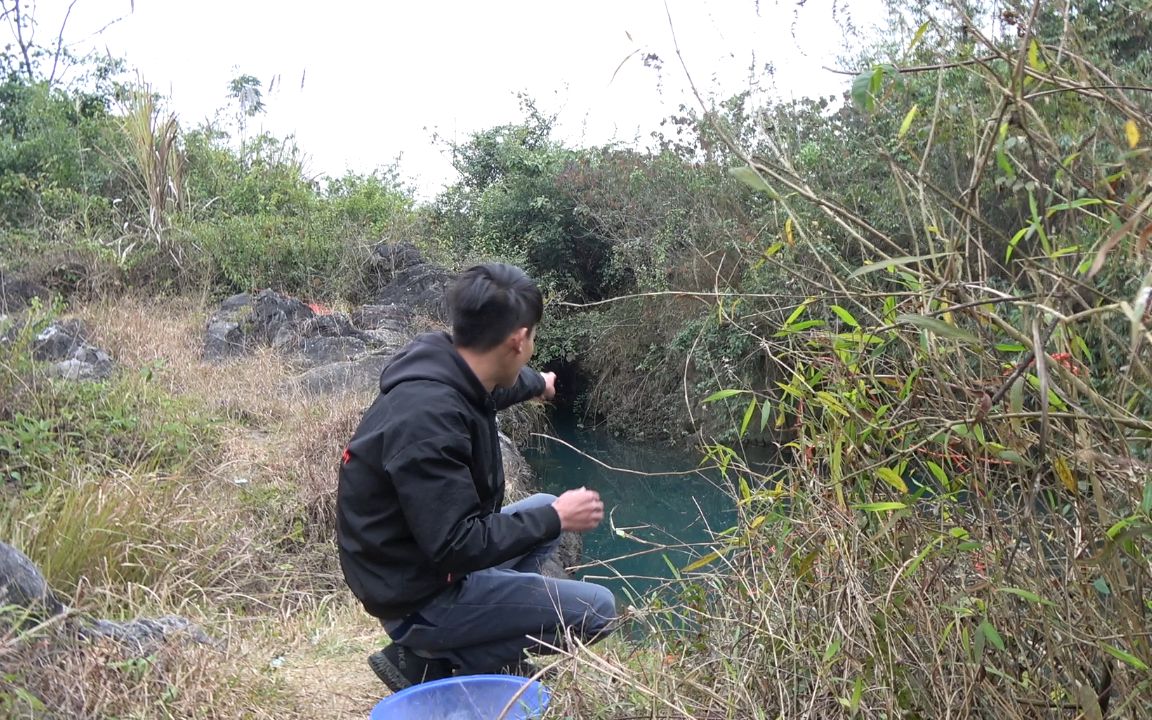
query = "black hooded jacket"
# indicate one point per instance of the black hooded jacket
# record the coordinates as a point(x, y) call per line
point(421, 483)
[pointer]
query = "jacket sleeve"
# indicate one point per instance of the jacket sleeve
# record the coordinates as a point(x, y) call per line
point(439, 501)
point(530, 384)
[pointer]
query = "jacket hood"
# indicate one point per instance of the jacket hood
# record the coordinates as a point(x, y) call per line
point(432, 356)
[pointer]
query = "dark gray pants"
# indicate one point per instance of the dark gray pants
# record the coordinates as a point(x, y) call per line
point(489, 618)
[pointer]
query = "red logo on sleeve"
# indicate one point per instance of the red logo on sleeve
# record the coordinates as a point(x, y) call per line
point(346, 456)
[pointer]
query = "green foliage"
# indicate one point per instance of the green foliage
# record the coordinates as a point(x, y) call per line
point(53, 155)
point(260, 223)
point(508, 204)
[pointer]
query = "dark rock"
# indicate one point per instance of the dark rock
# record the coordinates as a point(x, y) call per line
point(271, 311)
point(421, 288)
point(142, 637)
point(60, 341)
point(569, 553)
point(381, 317)
point(224, 336)
point(406, 278)
point(65, 345)
point(290, 336)
point(245, 321)
point(93, 365)
point(390, 258)
point(23, 585)
point(223, 339)
point(16, 293)
point(361, 375)
point(324, 350)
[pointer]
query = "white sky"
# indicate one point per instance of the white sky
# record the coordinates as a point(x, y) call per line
point(380, 77)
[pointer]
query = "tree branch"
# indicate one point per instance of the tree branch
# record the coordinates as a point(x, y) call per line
point(24, 46)
point(60, 42)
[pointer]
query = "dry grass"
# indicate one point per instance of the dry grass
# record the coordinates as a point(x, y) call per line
point(240, 542)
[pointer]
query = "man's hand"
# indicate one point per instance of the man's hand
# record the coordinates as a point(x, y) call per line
point(579, 510)
point(549, 386)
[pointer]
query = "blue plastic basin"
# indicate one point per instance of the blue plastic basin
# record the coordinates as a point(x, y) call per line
point(470, 697)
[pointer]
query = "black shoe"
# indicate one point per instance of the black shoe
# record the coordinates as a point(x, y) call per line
point(401, 668)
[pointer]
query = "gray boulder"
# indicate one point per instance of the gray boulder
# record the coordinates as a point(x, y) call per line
point(382, 317)
point(246, 321)
point(22, 585)
point(326, 339)
point(65, 345)
point(406, 278)
point(16, 293)
point(361, 375)
point(142, 637)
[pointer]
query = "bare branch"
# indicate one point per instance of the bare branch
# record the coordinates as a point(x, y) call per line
point(60, 42)
point(25, 49)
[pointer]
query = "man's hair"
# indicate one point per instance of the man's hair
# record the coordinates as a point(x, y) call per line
point(489, 302)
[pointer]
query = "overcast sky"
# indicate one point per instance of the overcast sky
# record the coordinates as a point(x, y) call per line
point(362, 83)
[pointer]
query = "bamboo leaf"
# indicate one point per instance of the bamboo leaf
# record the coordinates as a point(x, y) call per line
point(1034, 56)
point(800, 326)
point(797, 312)
point(894, 262)
point(893, 478)
point(878, 507)
point(745, 490)
point(845, 316)
point(1081, 202)
point(939, 327)
point(721, 394)
point(1022, 233)
point(702, 561)
point(991, 635)
point(907, 123)
point(1132, 132)
point(789, 237)
point(765, 413)
point(1126, 657)
point(1013, 457)
point(1067, 479)
point(1025, 595)
point(752, 179)
point(918, 36)
point(1016, 397)
point(747, 417)
point(938, 473)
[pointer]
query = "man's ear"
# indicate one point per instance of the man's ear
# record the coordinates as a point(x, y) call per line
point(518, 338)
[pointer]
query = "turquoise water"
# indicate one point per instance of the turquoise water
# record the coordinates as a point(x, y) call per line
point(650, 521)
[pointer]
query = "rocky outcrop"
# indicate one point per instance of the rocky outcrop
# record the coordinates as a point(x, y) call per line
point(336, 352)
point(28, 598)
point(16, 293)
point(406, 278)
point(360, 375)
point(244, 322)
point(142, 637)
point(65, 345)
point(333, 349)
